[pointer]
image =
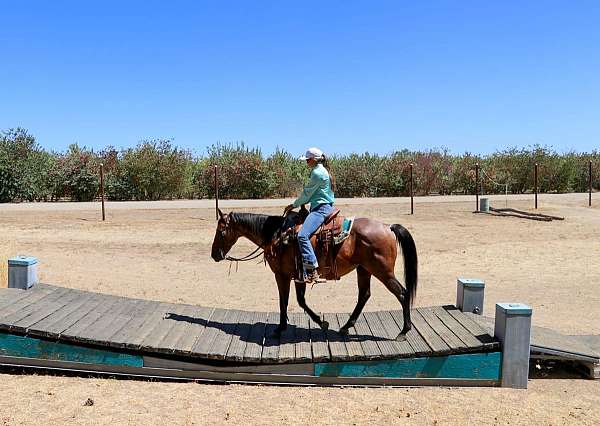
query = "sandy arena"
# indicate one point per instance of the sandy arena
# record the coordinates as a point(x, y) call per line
point(161, 251)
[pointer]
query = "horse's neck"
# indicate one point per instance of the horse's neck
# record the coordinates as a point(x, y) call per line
point(251, 232)
point(256, 239)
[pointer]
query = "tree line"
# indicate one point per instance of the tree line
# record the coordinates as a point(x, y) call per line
point(156, 169)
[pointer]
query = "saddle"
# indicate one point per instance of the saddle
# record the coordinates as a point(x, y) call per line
point(326, 240)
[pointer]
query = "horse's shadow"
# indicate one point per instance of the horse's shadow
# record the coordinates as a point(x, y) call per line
point(247, 332)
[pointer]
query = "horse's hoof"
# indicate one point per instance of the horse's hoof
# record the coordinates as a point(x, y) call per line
point(401, 337)
point(324, 325)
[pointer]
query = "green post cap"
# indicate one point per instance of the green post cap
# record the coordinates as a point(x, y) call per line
point(22, 261)
point(472, 282)
point(514, 308)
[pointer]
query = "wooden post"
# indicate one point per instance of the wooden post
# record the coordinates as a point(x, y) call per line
point(535, 184)
point(22, 272)
point(412, 210)
point(102, 189)
point(217, 191)
point(476, 187)
point(513, 329)
point(590, 184)
point(469, 295)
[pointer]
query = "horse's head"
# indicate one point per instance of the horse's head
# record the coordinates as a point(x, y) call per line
point(225, 237)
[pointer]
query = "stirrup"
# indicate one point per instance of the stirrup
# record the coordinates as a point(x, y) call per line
point(314, 278)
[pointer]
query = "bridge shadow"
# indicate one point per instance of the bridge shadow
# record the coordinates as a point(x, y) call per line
point(261, 333)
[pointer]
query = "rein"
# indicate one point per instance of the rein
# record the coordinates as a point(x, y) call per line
point(251, 256)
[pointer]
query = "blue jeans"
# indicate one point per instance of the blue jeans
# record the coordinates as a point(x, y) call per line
point(312, 222)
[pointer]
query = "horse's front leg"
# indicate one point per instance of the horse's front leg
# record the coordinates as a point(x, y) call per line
point(300, 291)
point(283, 285)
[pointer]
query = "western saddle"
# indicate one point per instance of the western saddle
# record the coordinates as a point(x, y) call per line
point(325, 240)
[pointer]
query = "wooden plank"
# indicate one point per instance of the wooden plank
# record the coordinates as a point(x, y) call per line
point(73, 331)
point(270, 352)
point(162, 328)
point(46, 305)
point(353, 346)
point(103, 327)
point(22, 299)
point(297, 376)
point(182, 318)
point(287, 343)
point(474, 366)
point(204, 343)
point(38, 312)
point(44, 326)
point(391, 331)
point(302, 346)
point(224, 335)
point(418, 345)
point(337, 346)
point(442, 330)
point(199, 317)
point(475, 329)
point(386, 346)
point(59, 327)
point(461, 332)
point(435, 342)
point(151, 323)
point(589, 343)
point(366, 338)
point(133, 309)
point(157, 327)
point(237, 347)
point(254, 345)
point(36, 350)
point(320, 348)
point(22, 302)
point(124, 337)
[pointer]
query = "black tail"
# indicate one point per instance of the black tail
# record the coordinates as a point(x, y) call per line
point(409, 251)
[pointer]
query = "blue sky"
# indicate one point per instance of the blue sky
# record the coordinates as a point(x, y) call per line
point(346, 76)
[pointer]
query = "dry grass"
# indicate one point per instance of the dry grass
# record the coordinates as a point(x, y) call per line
point(163, 254)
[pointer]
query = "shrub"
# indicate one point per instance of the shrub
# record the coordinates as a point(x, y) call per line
point(242, 172)
point(23, 167)
point(152, 171)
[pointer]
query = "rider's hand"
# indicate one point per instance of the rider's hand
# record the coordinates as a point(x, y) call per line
point(287, 209)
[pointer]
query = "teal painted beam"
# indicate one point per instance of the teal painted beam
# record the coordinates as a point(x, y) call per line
point(31, 347)
point(478, 366)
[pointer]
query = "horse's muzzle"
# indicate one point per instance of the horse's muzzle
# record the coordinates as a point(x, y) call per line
point(218, 255)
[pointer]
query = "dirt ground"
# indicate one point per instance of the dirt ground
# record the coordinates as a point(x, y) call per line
point(161, 251)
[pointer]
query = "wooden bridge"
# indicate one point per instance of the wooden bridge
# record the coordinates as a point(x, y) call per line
point(59, 328)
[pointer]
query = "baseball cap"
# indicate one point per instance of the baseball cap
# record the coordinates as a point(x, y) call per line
point(315, 153)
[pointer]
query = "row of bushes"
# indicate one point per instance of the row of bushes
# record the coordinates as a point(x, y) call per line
point(156, 169)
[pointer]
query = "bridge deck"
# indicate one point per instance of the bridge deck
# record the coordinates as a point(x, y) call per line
point(232, 336)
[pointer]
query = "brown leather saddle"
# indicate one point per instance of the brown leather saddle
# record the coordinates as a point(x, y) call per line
point(323, 242)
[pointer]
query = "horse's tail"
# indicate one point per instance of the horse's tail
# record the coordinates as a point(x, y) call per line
point(409, 252)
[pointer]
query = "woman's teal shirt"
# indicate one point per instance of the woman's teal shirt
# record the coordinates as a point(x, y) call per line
point(318, 190)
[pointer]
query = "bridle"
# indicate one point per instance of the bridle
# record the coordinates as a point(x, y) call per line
point(251, 256)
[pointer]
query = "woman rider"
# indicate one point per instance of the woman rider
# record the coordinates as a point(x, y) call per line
point(319, 193)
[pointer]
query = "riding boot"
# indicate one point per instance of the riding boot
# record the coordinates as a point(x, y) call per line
point(311, 276)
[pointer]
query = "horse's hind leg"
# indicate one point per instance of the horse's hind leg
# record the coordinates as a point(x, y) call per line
point(393, 285)
point(300, 291)
point(364, 292)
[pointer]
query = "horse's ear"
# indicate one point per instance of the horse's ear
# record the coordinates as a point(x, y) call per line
point(221, 214)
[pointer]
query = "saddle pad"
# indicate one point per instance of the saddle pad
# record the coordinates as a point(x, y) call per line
point(345, 230)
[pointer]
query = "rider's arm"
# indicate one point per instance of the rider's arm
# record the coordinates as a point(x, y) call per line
point(316, 182)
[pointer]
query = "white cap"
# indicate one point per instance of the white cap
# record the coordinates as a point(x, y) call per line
point(315, 153)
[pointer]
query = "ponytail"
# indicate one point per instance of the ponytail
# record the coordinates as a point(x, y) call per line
point(325, 163)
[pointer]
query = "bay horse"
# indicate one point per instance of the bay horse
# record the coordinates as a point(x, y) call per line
point(371, 249)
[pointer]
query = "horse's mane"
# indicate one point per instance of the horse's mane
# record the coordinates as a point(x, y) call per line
point(259, 224)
